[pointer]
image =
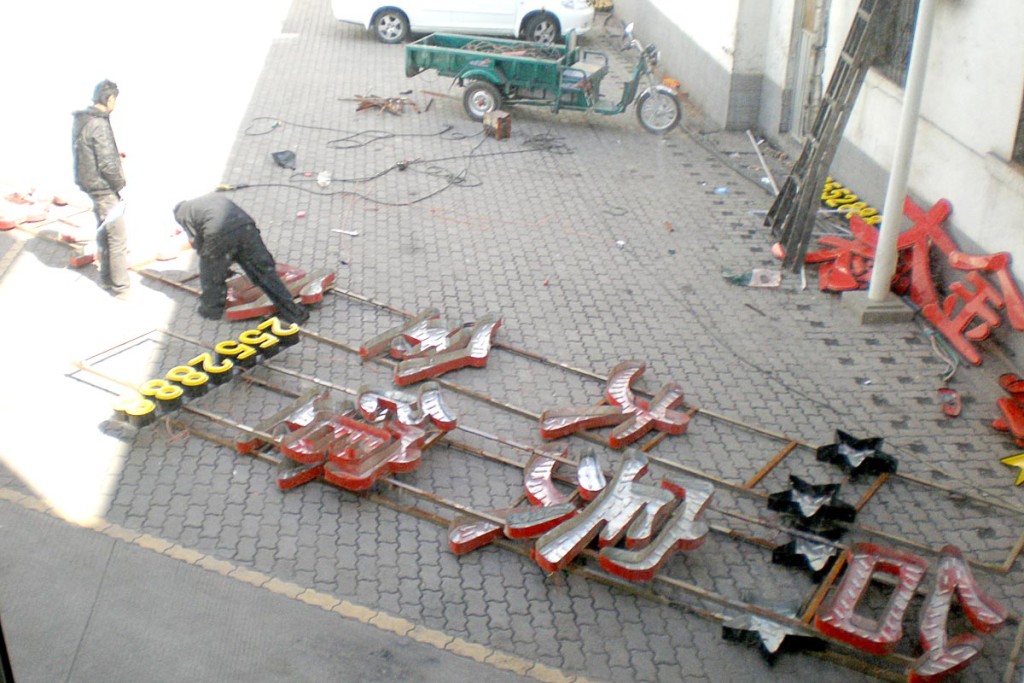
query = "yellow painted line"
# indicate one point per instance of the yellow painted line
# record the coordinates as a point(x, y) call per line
point(153, 543)
point(516, 665)
point(478, 653)
point(253, 578)
point(216, 566)
point(429, 636)
point(365, 615)
point(184, 554)
point(397, 625)
point(318, 599)
point(285, 588)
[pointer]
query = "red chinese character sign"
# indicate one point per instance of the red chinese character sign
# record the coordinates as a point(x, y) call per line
point(352, 445)
point(631, 416)
point(943, 655)
point(970, 313)
point(427, 348)
point(684, 531)
point(840, 619)
point(245, 300)
point(971, 310)
point(1011, 409)
point(653, 522)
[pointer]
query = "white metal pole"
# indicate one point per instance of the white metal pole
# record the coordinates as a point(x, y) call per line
point(892, 210)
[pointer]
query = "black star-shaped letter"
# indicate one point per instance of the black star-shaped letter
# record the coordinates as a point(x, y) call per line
point(857, 456)
point(811, 503)
point(774, 637)
point(817, 557)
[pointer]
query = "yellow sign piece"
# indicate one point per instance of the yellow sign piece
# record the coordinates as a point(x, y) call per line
point(1016, 461)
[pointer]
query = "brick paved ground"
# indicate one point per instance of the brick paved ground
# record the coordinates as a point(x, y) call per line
point(596, 243)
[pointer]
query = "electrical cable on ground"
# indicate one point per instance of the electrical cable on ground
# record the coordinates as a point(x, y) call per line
point(543, 142)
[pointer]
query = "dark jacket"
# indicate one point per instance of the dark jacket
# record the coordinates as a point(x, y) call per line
point(207, 217)
point(98, 168)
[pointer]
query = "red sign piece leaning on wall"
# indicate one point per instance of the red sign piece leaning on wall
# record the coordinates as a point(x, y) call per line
point(1012, 409)
point(968, 314)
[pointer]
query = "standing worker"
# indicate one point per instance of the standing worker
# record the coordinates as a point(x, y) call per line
point(99, 174)
point(222, 232)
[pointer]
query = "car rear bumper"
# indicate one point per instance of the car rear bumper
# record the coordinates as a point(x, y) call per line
point(580, 21)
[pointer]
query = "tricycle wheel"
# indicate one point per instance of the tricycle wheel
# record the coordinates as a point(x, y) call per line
point(480, 98)
point(658, 112)
point(542, 28)
point(390, 25)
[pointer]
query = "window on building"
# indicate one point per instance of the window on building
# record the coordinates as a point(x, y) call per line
point(894, 58)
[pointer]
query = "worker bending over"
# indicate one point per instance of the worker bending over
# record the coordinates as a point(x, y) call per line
point(223, 233)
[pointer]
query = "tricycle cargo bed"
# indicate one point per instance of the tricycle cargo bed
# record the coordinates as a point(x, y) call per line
point(510, 62)
point(496, 72)
point(464, 42)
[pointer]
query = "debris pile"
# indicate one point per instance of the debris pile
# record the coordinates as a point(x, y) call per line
point(391, 105)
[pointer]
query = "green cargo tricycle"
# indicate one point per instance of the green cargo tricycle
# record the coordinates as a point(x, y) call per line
point(496, 72)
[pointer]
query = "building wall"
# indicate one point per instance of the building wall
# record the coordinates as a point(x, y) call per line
point(697, 41)
point(781, 26)
point(734, 57)
point(750, 53)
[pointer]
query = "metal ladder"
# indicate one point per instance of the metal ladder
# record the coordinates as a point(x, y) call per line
point(792, 214)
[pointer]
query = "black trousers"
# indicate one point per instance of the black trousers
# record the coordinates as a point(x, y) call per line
point(244, 246)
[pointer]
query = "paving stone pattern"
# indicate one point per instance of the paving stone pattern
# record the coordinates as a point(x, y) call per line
point(597, 243)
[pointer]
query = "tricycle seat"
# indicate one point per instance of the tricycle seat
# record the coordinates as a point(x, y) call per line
point(585, 74)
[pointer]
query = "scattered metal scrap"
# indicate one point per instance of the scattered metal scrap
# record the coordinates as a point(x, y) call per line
point(951, 403)
point(758, 277)
point(391, 105)
point(51, 218)
point(764, 165)
point(533, 52)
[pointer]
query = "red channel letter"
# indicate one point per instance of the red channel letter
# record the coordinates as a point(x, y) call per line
point(840, 620)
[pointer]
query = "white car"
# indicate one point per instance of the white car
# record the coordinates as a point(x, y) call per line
point(534, 20)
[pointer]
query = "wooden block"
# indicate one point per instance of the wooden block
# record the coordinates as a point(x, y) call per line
point(498, 124)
